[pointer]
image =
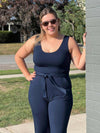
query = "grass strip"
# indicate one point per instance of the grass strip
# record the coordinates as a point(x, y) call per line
point(9, 48)
point(14, 105)
point(17, 71)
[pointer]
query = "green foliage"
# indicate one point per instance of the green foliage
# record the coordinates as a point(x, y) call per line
point(71, 14)
point(79, 93)
point(8, 37)
point(4, 35)
point(72, 20)
point(17, 71)
point(14, 105)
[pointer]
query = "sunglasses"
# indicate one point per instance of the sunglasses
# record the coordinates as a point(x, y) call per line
point(53, 21)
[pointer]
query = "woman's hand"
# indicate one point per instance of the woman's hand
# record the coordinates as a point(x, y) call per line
point(31, 76)
point(84, 38)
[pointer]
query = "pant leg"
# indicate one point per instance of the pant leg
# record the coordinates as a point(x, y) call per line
point(39, 107)
point(59, 113)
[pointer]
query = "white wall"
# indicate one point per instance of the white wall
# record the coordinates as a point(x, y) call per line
point(93, 66)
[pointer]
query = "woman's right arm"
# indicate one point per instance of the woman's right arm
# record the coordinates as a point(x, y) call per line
point(22, 53)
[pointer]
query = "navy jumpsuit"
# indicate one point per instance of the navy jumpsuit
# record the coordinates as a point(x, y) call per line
point(50, 94)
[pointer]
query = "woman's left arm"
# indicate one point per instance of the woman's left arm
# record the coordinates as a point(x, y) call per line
point(78, 58)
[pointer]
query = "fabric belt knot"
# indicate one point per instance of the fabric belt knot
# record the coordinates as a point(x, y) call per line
point(50, 77)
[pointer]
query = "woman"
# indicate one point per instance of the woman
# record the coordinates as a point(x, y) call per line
point(50, 94)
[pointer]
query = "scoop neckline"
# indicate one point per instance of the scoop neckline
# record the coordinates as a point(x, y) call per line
point(53, 51)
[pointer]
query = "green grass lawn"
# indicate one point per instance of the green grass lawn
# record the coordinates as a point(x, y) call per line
point(78, 89)
point(9, 48)
point(17, 71)
point(14, 105)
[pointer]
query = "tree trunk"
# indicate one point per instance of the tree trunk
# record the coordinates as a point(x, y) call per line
point(73, 29)
point(2, 28)
point(24, 37)
point(72, 24)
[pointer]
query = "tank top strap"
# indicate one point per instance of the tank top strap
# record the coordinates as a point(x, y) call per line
point(65, 43)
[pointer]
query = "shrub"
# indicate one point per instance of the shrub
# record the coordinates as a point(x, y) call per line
point(9, 37)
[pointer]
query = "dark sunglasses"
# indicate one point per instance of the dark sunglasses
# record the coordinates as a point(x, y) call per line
point(53, 21)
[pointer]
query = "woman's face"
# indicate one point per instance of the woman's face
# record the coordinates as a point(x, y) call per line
point(50, 24)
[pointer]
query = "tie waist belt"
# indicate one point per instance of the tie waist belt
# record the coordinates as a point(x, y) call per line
point(46, 75)
point(50, 77)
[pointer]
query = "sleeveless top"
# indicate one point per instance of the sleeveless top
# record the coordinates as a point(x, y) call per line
point(53, 70)
point(54, 62)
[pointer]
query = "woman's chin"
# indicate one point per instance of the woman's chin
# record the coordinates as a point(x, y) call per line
point(51, 33)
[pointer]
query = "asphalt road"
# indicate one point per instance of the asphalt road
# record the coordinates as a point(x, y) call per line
point(7, 62)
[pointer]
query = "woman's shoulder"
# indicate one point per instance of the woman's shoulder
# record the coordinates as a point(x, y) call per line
point(33, 38)
point(30, 43)
point(72, 40)
point(72, 43)
point(68, 36)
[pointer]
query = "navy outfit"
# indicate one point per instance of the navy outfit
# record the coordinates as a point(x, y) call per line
point(50, 94)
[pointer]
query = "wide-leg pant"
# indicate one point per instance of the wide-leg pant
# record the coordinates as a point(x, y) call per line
point(50, 107)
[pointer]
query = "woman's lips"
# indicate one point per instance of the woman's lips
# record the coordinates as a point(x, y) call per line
point(51, 29)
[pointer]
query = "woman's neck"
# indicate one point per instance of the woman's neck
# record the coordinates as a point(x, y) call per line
point(52, 37)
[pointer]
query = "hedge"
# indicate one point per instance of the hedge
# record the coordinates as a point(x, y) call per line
point(9, 37)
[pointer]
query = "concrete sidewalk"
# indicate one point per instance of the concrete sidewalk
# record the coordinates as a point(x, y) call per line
point(77, 124)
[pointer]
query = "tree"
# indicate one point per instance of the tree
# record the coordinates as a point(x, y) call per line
point(4, 14)
point(19, 12)
point(81, 3)
point(22, 12)
point(72, 20)
point(26, 13)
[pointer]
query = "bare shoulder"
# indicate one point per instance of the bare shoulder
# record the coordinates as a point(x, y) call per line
point(27, 48)
point(72, 44)
point(30, 42)
point(33, 38)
